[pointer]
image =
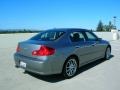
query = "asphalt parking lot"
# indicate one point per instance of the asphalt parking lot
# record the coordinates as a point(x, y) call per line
point(100, 75)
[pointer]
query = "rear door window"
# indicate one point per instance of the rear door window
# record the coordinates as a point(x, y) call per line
point(77, 37)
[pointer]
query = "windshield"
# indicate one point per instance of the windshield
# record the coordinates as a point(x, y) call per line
point(48, 35)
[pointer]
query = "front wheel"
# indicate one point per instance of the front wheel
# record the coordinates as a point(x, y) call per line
point(70, 67)
point(108, 53)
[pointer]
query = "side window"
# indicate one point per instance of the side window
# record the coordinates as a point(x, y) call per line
point(77, 36)
point(90, 36)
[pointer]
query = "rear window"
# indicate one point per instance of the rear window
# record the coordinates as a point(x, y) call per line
point(48, 36)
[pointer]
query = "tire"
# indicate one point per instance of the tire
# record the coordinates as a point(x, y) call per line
point(107, 53)
point(70, 67)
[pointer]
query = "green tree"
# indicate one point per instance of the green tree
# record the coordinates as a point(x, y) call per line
point(100, 26)
point(111, 26)
point(108, 27)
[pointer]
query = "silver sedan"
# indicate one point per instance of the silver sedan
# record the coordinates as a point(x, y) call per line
point(60, 51)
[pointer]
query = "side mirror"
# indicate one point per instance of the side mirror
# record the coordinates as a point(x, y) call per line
point(99, 39)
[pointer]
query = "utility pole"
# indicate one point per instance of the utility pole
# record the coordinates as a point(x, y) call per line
point(114, 21)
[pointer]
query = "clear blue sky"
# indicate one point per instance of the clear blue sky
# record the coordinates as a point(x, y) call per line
point(45, 14)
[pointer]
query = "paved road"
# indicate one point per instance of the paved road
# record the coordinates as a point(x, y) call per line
point(100, 75)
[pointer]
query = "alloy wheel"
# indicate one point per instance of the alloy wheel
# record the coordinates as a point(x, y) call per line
point(71, 67)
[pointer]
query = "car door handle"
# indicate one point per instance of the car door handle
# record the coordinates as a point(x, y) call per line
point(77, 46)
point(94, 44)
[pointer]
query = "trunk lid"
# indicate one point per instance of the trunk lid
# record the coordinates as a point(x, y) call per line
point(27, 47)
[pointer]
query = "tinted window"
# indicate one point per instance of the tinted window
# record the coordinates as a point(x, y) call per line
point(48, 36)
point(77, 36)
point(90, 36)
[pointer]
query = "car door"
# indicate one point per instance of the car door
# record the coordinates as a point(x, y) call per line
point(83, 48)
point(93, 45)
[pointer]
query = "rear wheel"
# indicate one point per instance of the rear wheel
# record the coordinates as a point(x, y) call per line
point(70, 67)
point(108, 53)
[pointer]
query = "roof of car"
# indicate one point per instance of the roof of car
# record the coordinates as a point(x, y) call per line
point(68, 29)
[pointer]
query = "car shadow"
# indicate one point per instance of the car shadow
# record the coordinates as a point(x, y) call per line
point(58, 77)
point(92, 64)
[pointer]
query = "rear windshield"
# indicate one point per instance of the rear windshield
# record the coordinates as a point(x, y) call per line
point(48, 35)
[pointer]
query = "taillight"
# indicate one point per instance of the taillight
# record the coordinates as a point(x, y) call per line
point(18, 48)
point(43, 51)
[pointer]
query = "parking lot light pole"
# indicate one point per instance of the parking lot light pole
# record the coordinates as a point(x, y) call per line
point(114, 30)
point(114, 22)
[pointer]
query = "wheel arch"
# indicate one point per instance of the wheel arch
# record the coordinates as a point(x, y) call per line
point(71, 56)
point(74, 56)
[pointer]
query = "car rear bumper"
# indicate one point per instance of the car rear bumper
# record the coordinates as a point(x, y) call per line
point(33, 64)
